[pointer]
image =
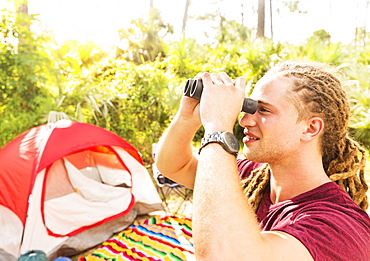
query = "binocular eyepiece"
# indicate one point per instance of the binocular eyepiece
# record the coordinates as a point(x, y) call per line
point(194, 89)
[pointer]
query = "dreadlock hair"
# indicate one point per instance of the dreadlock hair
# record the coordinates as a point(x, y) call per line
point(320, 93)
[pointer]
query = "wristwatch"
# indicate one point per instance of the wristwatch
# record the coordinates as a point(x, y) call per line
point(226, 139)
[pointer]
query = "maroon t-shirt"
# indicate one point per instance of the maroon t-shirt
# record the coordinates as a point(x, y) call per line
point(325, 220)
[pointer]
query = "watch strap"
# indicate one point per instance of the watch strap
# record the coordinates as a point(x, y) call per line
point(215, 137)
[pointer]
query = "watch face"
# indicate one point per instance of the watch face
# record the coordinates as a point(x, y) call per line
point(231, 141)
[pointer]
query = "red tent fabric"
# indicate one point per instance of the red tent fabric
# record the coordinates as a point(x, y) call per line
point(60, 175)
point(39, 147)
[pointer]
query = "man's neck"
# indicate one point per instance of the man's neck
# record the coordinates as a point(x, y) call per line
point(286, 183)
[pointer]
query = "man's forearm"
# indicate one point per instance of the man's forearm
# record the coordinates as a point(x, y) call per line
point(224, 227)
point(174, 157)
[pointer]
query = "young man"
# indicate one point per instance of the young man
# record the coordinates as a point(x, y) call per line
point(290, 208)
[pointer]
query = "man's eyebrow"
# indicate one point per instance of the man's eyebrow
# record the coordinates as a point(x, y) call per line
point(263, 102)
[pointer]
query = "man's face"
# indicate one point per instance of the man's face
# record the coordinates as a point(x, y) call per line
point(272, 133)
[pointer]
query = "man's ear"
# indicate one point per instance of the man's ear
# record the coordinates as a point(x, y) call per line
point(314, 128)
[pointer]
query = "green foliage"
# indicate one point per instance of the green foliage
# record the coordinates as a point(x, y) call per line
point(231, 31)
point(145, 98)
point(23, 74)
point(358, 89)
point(184, 58)
point(145, 104)
point(133, 101)
point(136, 92)
point(248, 59)
point(292, 5)
point(319, 48)
point(77, 82)
point(142, 41)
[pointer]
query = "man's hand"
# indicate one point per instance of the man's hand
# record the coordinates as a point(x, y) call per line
point(189, 110)
point(221, 101)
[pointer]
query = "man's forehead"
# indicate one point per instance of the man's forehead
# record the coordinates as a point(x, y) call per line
point(275, 92)
point(272, 85)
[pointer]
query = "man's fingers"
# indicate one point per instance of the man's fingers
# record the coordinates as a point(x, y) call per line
point(199, 75)
point(226, 79)
point(240, 83)
point(216, 79)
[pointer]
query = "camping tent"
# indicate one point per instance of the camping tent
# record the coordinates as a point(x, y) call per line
point(68, 186)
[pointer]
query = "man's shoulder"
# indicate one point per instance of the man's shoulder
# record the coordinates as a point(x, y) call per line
point(327, 207)
point(328, 201)
point(326, 221)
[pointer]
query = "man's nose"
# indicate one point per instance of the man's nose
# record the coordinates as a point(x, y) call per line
point(248, 120)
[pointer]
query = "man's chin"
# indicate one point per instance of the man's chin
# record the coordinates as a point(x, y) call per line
point(252, 156)
point(248, 154)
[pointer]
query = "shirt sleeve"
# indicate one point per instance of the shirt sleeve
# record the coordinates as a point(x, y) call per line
point(329, 233)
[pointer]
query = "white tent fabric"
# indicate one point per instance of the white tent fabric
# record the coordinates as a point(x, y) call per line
point(59, 219)
point(35, 233)
point(72, 211)
point(146, 196)
point(11, 233)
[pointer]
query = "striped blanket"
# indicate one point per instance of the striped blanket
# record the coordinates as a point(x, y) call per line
point(154, 239)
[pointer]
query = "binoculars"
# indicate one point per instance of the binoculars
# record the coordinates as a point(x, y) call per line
point(194, 89)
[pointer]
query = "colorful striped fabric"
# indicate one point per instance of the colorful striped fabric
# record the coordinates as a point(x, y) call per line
point(154, 239)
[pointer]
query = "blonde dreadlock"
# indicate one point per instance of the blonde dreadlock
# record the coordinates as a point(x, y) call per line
point(343, 158)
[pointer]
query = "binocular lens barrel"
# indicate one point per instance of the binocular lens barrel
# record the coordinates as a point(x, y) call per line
point(194, 89)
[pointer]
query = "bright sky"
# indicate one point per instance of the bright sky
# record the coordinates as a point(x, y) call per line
point(99, 20)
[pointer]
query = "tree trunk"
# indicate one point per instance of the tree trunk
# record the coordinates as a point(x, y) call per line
point(261, 19)
point(272, 31)
point(185, 17)
point(242, 12)
point(21, 7)
point(367, 9)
